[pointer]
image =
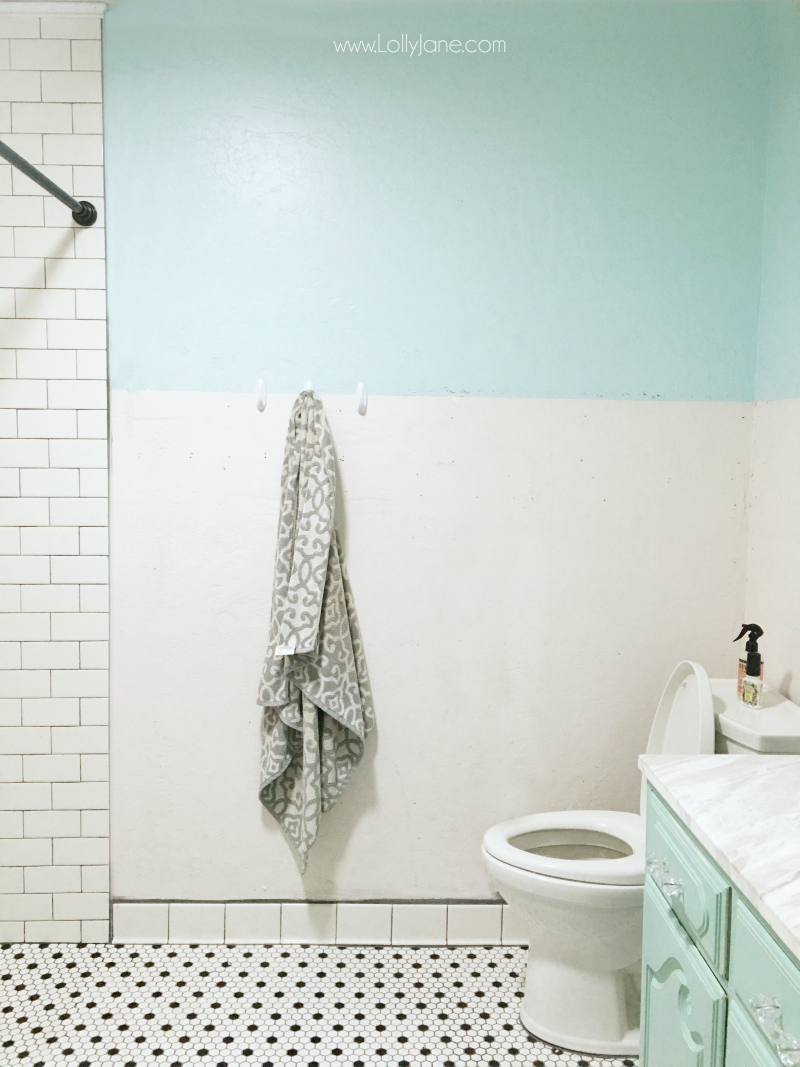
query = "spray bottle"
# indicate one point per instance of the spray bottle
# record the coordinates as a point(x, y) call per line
point(751, 668)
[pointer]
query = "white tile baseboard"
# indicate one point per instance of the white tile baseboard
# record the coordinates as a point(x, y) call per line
point(204, 923)
point(140, 923)
point(363, 924)
point(248, 924)
point(308, 924)
point(419, 924)
point(296, 922)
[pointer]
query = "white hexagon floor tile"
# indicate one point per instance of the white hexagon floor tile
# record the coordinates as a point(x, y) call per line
point(268, 1005)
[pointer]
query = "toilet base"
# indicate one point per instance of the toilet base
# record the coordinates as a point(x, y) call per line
point(590, 1011)
point(627, 1046)
point(584, 959)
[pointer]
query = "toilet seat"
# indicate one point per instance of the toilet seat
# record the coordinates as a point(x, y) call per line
point(597, 825)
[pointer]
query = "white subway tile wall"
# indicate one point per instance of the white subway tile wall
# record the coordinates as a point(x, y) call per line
point(54, 490)
point(316, 924)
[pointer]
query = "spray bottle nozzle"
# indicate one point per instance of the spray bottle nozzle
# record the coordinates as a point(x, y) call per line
point(754, 632)
point(753, 667)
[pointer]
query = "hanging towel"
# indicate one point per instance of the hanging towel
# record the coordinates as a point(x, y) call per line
point(314, 685)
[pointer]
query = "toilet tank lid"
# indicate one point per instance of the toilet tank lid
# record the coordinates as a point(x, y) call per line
point(774, 727)
point(684, 720)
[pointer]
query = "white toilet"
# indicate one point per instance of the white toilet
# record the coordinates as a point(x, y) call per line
point(577, 877)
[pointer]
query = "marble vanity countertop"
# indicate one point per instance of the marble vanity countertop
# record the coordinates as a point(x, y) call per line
point(745, 811)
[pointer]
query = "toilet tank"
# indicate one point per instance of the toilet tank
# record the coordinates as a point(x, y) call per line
point(772, 728)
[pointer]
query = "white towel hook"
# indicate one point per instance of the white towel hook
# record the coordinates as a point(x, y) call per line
point(361, 398)
point(308, 388)
point(261, 395)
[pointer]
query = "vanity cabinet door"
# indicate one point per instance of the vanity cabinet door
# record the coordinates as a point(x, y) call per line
point(683, 1004)
point(745, 1047)
point(766, 981)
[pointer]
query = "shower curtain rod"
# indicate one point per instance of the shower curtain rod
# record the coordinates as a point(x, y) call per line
point(84, 213)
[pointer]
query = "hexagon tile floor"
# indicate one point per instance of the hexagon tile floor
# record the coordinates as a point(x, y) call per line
point(267, 1005)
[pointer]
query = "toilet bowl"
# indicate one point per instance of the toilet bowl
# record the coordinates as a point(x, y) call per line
point(576, 878)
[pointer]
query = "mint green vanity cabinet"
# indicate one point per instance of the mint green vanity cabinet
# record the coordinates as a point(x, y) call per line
point(683, 1003)
point(745, 1046)
point(718, 988)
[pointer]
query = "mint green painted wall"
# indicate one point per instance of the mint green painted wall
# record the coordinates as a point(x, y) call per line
point(778, 373)
point(579, 217)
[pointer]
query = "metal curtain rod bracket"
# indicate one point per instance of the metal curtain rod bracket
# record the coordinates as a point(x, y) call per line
point(84, 213)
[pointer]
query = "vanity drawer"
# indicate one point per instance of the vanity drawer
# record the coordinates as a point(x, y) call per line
point(745, 1045)
point(766, 981)
point(698, 893)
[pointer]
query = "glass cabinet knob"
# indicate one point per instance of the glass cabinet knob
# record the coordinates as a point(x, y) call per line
point(768, 1014)
point(672, 888)
point(788, 1049)
point(657, 868)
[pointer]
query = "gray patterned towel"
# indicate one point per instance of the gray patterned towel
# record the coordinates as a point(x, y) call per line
point(314, 686)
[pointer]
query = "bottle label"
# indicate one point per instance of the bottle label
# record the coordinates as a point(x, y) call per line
point(743, 675)
point(750, 692)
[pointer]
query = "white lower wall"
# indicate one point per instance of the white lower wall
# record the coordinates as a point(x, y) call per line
point(773, 564)
point(527, 573)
